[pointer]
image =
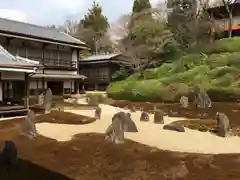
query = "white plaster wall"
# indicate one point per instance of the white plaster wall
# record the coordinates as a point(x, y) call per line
point(33, 84)
point(74, 55)
point(67, 84)
point(13, 76)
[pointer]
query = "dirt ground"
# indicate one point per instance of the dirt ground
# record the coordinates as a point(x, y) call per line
point(232, 110)
point(89, 156)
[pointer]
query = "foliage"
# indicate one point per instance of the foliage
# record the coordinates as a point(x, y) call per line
point(190, 23)
point(98, 97)
point(93, 28)
point(215, 72)
point(154, 38)
point(140, 5)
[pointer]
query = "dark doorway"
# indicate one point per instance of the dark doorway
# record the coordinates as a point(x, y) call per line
point(56, 87)
point(14, 91)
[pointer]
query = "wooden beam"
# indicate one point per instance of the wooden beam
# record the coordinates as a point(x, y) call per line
point(43, 53)
point(26, 101)
point(77, 65)
point(78, 56)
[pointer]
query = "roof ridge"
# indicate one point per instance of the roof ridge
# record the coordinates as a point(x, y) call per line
point(25, 28)
point(72, 37)
point(34, 25)
point(7, 53)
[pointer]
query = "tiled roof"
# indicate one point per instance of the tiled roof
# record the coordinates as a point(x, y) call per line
point(100, 57)
point(25, 29)
point(8, 60)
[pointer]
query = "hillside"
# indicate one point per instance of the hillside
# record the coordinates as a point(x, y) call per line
point(217, 70)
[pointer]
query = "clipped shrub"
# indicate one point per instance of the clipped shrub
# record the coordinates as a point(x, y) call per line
point(225, 45)
point(217, 71)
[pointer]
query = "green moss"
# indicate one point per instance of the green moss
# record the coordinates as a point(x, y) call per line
point(217, 71)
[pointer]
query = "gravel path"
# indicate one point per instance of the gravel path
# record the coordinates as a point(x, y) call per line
point(149, 134)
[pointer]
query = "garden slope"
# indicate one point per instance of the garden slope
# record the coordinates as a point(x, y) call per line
point(217, 70)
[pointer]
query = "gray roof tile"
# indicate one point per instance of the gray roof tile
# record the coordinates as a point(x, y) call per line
point(6, 59)
point(16, 27)
point(100, 57)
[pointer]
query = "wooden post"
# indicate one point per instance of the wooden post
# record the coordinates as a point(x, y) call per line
point(43, 62)
point(26, 101)
point(77, 65)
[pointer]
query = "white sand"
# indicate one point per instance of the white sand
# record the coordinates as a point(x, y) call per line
point(149, 134)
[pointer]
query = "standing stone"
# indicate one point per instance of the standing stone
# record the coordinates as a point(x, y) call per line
point(222, 124)
point(93, 101)
point(159, 116)
point(202, 99)
point(48, 101)
point(121, 122)
point(98, 113)
point(28, 126)
point(133, 108)
point(115, 132)
point(41, 99)
point(184, 101)
point(128, 123)
point(8, 156)
point(144, 116)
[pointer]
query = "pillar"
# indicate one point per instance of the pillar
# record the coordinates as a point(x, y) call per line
point(26, 99)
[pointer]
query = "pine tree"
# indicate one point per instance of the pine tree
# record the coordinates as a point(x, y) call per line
point(93, 27)
point(140, 6)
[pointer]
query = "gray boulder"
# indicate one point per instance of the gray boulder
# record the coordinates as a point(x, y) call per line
point(144, 116)
point(98, 113)
point(159, 116)
point(222, 124)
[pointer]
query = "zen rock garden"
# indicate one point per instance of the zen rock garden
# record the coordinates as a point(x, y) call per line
point(101, 133)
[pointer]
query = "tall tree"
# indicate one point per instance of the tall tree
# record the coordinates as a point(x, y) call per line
point(182, 21)
point(93, 27)
point(140, 6)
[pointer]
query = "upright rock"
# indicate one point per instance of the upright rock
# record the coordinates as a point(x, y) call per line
point(184, 101)
point(93, 101)
point(28, 126)
point(121, 122)
point(128, 123)
point(8, 156)
point(159, 116)
point(144, 116)
point(98, 113)
point(222, 124)
point(48, 101)
point(202, 99)
point(41, 99)
point(115, 132)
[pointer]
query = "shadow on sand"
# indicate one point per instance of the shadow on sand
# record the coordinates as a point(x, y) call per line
point(26, 170)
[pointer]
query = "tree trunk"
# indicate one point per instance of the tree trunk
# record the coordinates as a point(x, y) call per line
point(230, 25)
